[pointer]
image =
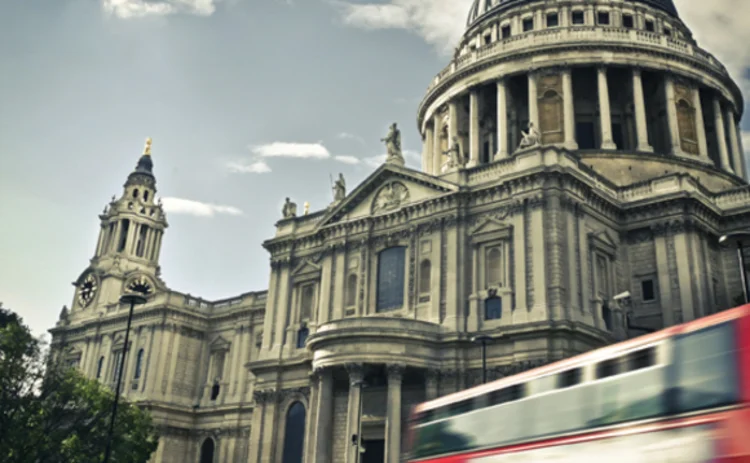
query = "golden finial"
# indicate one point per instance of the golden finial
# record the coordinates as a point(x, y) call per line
point(147, 149)
point(307, 207)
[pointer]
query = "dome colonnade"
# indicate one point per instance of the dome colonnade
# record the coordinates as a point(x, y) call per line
point(590, 76)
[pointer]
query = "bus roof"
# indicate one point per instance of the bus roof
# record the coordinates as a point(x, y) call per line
point(585, 358)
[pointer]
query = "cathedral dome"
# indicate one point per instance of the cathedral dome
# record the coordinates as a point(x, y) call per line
point(480, 7)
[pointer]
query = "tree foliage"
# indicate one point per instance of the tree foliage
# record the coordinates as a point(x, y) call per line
point(50, 413)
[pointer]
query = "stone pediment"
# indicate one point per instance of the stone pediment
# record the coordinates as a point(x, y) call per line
point(388, 189)
point(305, 268)
point(489, 228)
point(220, 344)
point(603, 240)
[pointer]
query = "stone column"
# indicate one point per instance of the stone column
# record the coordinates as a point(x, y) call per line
point(533, 101)
point(743, 165)
point(473, 128)
point(393, 420)
point(721, 136)
point(734, 144)
point(605, 116)
point(569, 116)
point(312, 420)
point(437, 154)
point(640, 113)
point(324, 419)
point(427, 152)
point(353, 417)
point(431, 383)
point(452, 120)
point(674, 128)
point(700, 126)
point(502, 120)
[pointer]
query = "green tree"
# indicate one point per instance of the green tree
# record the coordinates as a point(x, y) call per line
point(50, 413)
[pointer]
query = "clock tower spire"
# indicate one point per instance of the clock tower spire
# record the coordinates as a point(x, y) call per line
point(132, 227)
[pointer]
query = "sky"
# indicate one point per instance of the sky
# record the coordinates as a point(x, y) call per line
point(247, 102)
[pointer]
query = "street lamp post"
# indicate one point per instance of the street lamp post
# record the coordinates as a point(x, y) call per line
point(358, 438)
point(737, 237)
point(483, 340)
point(131, 299)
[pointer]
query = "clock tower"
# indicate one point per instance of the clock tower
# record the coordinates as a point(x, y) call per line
point(127, 252)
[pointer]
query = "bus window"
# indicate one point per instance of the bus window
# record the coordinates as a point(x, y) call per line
point(508, 394)
point(606, 368)
point(462, 407)
point(705, 369)
point(643, 358)
point(569, 378)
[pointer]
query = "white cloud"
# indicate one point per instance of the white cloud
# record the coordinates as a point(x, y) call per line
point(347, 159)
point(292, 150)
point(140, 8)
point(255, 167)
point(350, 136)
point(439, 22)
point(197, 208)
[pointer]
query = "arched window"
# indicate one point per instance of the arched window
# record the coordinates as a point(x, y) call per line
point(294, 434)
point(391, 269)
point(302, 335)
point(99, 367)
point(145, 195)
point(493, 308)
point(351, 290)
point(207, 451)
point(138, 364)
point(135, 193)
point(425, 270)
point(494, 267)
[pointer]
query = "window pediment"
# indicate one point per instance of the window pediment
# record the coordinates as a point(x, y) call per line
point(490, 229)
point(219, 344)
point(306, 270)
point(603, 241)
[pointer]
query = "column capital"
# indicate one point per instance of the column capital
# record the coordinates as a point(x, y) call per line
point(356, 372)
point(395, 372)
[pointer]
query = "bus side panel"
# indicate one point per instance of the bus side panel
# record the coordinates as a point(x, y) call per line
point(743, 351)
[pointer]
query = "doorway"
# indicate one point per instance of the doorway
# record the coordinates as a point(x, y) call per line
point(374, 451)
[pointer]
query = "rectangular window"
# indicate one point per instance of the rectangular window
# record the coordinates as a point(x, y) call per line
point(648, 292)
point(585, 135)
point(602, 18)
point(627, 21)
point(667, 31)
point(528, 24)
point(552, 20)
point(650, 25)
point(116, 365)
point(493, 308)
point(508, 394)
point(506, 31)
point(391, 274)
point(606, 369)
point(578, 17)
point(487, 39)
point(640, 359)
point(569, 378)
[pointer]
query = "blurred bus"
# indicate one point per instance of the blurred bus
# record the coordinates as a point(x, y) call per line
point(677, 395)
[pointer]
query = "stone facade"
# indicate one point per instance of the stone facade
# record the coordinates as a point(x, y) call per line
point(630, 172)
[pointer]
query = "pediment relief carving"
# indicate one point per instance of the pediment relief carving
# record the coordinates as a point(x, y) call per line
point(391, 196)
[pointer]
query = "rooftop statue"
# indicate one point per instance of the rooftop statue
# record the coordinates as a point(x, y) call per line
point(530, 137)
point(289, 210)
point(339, 188)
point(393, 146)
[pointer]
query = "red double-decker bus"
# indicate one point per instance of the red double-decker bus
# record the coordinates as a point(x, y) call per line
point(677, 395)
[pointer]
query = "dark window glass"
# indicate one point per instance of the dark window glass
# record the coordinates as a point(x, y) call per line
point(116, 366)
point(617, 135)
point(302, 335)
point(493, 308)
point(607, 316)
point(639, 359)
point(123, 235)
point(627, 21)
point(306, 301)
point(578, 17)
point(552, 20)
point(138, 364)
point(487, 39)
point(602, 17)
point(633, 396)
point(667, 31)
point(569, 378)
point(650, 25)
point(606, 369)
point(585, 135)
point(647, 290)
point(99, 367)
point(486, 153)
point(528, 24)
point(391, 279)
point(207, 451)
point(459, 408)
point(215, 389)
point(506, 32)
point(705, 369)
point(294, 434)
point(509, 394)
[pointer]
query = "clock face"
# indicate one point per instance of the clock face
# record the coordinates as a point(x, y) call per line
point(140, 286)
point(87, 290)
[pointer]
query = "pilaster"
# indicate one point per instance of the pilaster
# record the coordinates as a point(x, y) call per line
point(324, 419)
point(393, 412)
point(353, 409)
point(533, 100)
